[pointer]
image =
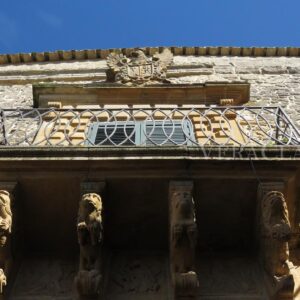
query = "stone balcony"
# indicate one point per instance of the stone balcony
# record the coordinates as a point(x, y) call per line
point(139, 160)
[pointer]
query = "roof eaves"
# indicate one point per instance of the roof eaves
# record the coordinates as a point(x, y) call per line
point(77, 55)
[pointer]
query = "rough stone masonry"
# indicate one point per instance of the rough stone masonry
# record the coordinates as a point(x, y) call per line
point(274, 80)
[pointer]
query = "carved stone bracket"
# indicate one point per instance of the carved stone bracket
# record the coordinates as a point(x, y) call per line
point(92, 187)
point(7, 196)
point(90, 237)
point(183, 238)
point(275, 232)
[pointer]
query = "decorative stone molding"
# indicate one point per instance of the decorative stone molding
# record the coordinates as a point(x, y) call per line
point(275, 232)
point(90, 237)
point(84, 95)
point(227, 102)
point(7, 192)
point(54, 104)
point(138, 69)
point(183, 238)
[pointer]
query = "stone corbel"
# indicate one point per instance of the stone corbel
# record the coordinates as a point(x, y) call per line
point(183, 238)
point(89, 278)
point(8, 192)
point(275, 233)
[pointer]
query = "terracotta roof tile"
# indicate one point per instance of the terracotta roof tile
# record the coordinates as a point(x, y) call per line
point(67, 55)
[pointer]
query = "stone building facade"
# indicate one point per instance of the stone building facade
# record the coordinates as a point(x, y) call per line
point(193, 220)
point(272, 72)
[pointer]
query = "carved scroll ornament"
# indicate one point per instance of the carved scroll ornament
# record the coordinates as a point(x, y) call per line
point(138, 68)
point(90, 236)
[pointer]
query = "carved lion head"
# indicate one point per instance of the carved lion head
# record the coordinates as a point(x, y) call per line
point(90, 202)
point(275, 215)
point(4, 198)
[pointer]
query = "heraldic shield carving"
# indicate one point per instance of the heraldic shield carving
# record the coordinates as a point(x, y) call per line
point(138, 68)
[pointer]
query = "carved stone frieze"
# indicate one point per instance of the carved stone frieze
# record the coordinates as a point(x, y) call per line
point(90, 237)
point(275, 232)
point(183, 238)
point(138, 68)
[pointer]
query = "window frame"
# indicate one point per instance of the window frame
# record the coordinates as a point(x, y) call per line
point(140, 134)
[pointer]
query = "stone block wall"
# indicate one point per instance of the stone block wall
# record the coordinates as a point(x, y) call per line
point(274, 80)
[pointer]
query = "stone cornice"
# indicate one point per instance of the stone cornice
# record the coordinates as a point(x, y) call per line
point(273, 155)
point(79, 55)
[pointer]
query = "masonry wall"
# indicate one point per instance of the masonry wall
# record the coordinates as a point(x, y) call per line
point(274, 80)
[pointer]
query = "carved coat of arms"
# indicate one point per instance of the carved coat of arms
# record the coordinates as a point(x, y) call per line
point(138, 68)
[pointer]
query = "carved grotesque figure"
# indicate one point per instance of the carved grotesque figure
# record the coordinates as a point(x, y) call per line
point(183, 241)
point(183, 218)
point(90, 235)
point(276, 232)
point(5, 217)
point(5, 230)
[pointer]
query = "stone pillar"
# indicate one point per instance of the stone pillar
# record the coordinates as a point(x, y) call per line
point(8, 192)
point(274, 233)
point(89, 278)
point(183, 238)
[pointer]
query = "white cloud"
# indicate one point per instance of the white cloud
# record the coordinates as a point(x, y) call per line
point(50, 19)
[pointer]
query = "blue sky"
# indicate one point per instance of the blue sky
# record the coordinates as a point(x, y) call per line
point(39, 25)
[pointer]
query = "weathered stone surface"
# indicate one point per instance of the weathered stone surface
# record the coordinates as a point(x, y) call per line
point(90, 237)
point(274, 70)
point(272, 79)
point(138, 69)
point(294, 70)
point(137, 275)
point(247, 69)
point(275, 233)
point(41, 278)
point(190, 72)
point(13, 96)
point(5, 231)
point(224, 69)
point(183, 239)
point(245, 278)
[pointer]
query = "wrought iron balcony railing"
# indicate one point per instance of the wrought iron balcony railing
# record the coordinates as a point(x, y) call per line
point(197, 126)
